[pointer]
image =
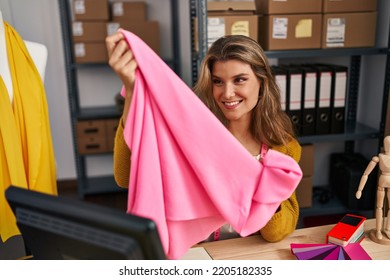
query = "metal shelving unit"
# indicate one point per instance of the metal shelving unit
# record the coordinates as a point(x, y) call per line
point(354, 130)
point(98, 184)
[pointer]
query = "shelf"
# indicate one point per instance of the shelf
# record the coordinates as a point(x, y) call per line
point(326, 52)
point(103, 112)
point(101, 184)
point(172, 63)
point(355, 131)
point(305, 53)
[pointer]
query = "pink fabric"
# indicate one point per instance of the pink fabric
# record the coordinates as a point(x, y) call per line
point(188, 173)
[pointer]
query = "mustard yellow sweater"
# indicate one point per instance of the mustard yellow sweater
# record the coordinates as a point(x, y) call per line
point(282, 223)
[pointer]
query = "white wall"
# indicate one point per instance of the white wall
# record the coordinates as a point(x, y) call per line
point(39, 21)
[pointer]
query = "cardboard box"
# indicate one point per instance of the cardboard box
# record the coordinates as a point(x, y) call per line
point(290, 32)
point(304, 192)
point(91, 137)
point(237, 5)
point(345, 6)
point(134, 11)
point(92, 145)
point(148, 31)
point(349, 30)
point(219, 25)
point(307, 160)
point(90, 53)
point(274, 7)
point(85, 10)
point(89, 31)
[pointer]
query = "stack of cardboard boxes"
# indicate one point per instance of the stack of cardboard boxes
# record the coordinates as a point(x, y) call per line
point(295, 24)
point(94, 20)
point(96, 136)
point(304, 191)
point(89, 30)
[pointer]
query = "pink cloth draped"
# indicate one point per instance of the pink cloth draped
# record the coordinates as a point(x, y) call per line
point(188, 173)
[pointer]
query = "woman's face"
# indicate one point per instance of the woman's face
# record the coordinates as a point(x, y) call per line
point(235, 89)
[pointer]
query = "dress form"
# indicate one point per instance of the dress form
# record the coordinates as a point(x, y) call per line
point(38, 53)
point(14, 247)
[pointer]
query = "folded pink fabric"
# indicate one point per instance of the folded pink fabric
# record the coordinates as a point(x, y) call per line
point(188, 173)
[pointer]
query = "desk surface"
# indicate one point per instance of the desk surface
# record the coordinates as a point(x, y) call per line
point(254, 247)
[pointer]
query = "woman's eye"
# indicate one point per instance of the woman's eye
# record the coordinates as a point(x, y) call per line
point(240, 80)
point(216, 82)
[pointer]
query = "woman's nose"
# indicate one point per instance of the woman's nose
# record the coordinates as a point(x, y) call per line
point(228, 91)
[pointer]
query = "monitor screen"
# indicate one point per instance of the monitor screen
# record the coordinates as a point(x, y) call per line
point(62, 228)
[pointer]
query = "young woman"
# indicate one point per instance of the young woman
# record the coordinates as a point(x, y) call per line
point(237, 84)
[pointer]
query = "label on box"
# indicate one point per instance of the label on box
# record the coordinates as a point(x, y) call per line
point(79, 50)
point(240, 28)
point(335, 35)
point(79, 7)
point(117, 9)
point(279, 28)
point(215, 29)
point(112, 27)
point(77, 28)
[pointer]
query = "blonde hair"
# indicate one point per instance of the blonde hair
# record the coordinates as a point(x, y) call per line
point(269, 123)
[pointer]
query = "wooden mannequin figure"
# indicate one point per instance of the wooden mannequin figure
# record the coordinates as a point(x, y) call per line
point(383, 189)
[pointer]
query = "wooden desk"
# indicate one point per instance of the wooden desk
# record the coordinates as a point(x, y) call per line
point(255, 248)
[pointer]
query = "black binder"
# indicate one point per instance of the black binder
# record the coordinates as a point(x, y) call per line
point(309, 87)
point(338, 98)
point(294, 96)
point(323, 97)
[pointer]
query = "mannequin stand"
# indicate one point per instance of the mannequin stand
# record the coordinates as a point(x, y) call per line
point(383, 241)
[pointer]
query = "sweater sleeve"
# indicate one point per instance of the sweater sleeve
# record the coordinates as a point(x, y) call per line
point(121, 158)
point(285, 220)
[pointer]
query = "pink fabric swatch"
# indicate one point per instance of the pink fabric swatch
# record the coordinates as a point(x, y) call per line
point(356, 252)
point(188, 173)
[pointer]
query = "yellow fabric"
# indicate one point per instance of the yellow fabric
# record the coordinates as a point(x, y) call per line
point(26, 151)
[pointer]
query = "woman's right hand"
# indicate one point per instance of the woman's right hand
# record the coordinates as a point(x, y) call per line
point(122, 61)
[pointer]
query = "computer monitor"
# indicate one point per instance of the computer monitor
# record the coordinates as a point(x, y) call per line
point(64, 228)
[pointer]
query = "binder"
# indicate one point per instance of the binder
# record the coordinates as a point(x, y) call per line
point(338, 98)
point(309, 86)
point(280, 76)
point(323, 96)
point(294, 96)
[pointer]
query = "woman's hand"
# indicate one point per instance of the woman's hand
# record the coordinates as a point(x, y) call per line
point(121, 60)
